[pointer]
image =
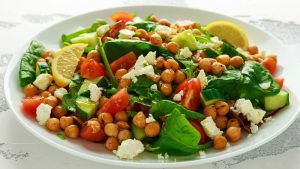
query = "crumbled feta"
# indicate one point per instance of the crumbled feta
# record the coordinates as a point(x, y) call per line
point(185, 52)
point(210, 127)
point(203, 79)
point(126, 34)
point(249, 135)
point(154, 87)
point(129, 149)
point(150, 119)
point(177, 97)
point(202, 153)
point(228, 144)
point(268, 119)
point(253, 128)
point(101, 30)
point(95, 92)
point(265, 85)
point(216, 40)
point(163, 30)
point(245, 107)
point(151, 58)
point(162, 157)
point(60, 92)
point(137, 19)
point(43, 112)
point(43, 81)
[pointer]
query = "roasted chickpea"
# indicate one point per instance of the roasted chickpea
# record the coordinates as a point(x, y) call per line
point(58, 111)
point(205, 64)
point(45, 93)
point(141, 33)
point(166, 89)
point(164, 22)
point(30, 90)
point(220, 142)
point(252, 50)
point(197, 31)
point(130, 27)
point(168, 75)
point(119, 73)
point(111, 143)
point(236, 61)
point(46, 53)
point(124, 135)
point(222, 108)
point(153, 18)
point(179, 76)
point(249, 58)
point(210, 111)
point(65, 121)
point(233, 134)
point(224, 59)
point(93, 54)
point(152, 129)
point(52, 124)
point(217, 68)
point(52, 89)
point(124, 83)
point(72, 131)
point(171, 64)
point(154, 78)
point(111, 129)
point(155, 39)
point(139, 120)
point(51, 101)
point(121, 116)
point(160, 62)
point(77, 121)
point(173, 47)
point(221, 122)
point(123, 125)
point(105, 118)
point(233, 123)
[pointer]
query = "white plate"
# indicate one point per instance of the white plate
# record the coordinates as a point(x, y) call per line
point(96, 152)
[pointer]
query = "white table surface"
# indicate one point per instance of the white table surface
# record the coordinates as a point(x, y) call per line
point(20, 19)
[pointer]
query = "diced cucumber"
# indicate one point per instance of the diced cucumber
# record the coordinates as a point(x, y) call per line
point(210, 96)
point(210, 53)
point(277, 101)
point(100, 82)
point(231, 51)
point(86, 108)
point(42, 67)
point(138, 133)
point(186, 39)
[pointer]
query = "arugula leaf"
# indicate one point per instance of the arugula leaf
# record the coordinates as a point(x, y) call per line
point(189, 68)
point(146, 25)
point(75, 83)
point(178, 137)
point(69, 102)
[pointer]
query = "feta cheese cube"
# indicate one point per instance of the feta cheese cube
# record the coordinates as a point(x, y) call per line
point(95, 92)
point(177, 97)
point(150, 119)
point(203, 79)
point(202, 153)
point(43, 81)
point(60, 92)
point(245, 107)
point(102, 30)
point(43, 112)
point(129, 149)
point(137, 19)
point(126, 34)
point(210, 127)
point(151, 58)
point(163, 30)
point(185, 52)
point(154, 87)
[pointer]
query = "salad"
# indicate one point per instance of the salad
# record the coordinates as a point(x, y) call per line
point(138, 85)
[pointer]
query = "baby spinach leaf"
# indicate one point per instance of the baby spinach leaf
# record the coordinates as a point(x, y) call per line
point(146, 25)
point(75, 83)
point(189, 68)
point(231, 51)
point(35, 48)
point(69, 102)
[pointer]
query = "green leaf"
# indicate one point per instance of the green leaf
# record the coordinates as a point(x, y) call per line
point(69, 102)
point(146, 25)
point(189, 68)
point(231, 51)
point(35, 48)
point(75, 83)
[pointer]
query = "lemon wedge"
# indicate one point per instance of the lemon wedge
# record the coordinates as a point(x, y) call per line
point(229, 32)
point(65, 62)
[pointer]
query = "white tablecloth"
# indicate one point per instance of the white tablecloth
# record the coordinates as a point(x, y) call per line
point(19, 20)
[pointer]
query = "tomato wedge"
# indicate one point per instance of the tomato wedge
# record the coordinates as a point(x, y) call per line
point(186, 24)
point(116, 103)
point(116, 28)
point(191, 93)
point(126, 62)
point(91, 69)
point(280, 81)
point(30, 104)
point(270, 64)
point(196, 124)
point(92, 131)
point(121, 16)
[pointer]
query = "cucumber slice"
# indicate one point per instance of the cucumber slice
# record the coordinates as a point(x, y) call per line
point(277, 101)
point(86, 107)
point(211, 53)
point(210, 96)
point(42, 67)
point(186, 39)
point(231, 51)
point(138, 133)
point(84, 89)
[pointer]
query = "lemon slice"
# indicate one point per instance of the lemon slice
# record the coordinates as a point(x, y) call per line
point(229, 32)
point(65, 62)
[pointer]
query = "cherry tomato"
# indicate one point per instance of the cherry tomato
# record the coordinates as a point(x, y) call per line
point(91, 69)
point(280, 81)
point(191, 93)
point(196, 124)
point(121, 16)
point(116, 103)
point(92, 131)
point(126, 62)
point(186, 24)
point(270, 64)
point(116, 28)
point(30, 104)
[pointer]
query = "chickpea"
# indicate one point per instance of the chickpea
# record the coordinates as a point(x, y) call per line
point(130, 27)
point(46, 53)
point(123, 125)
point(252, 50)
point(77, 121)
point(197, 31)
point(30, 90)
point(152, 129)
point(111, 143)
point(65, 121)
point(52, 89)
point(233, 123)
point(121, 116)
point(93, 54)
point(119, 73)
point(220, 142)
point(72, 131)
point(237, 61)
point(81, 60)
point(124, 83)
point(51, 100)
point(45, 94)
point(221, 122)
point(58, 111)
point(105, 118)
point(111, 129)
point(102, 101)
point(173, 47)
point(160, 62)
point(155, 39)
point(224, 59)
point(217, 68)
point(154, 78)
point(205, 64)
point(248, 58)
point(124, 135)
point(164, 22)
point(222, 108)
point(153, 18)
point(179, 76)
point(233, 134)
point(166, 89)
point(171, 64)
point(210, 111)
point(168, 75)
point(141, 33)
point(139, 120)
point(52, 124)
